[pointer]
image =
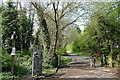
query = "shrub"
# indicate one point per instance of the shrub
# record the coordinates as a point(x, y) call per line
point(54, 61)
point(65, 60)
point(61, 51)
point(8, 76)
point(6, 61)
point(22, 63)
point(47, 61)
point(20, 70)
point(24, 52)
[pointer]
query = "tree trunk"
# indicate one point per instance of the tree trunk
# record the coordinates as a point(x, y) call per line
point(105, 59)
point(110, 55)
point(57, 29)
point(55, 44)
point(59, 63)
point(102, 63)
point(101, 54)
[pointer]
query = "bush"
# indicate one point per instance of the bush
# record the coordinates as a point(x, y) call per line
point(47, 61)
point(24, 52)
point(20, 70)
point(8, 76)
point(6, 61)
point(22, 63)
point(61, 51)
point(65, 60)
point(54, 61)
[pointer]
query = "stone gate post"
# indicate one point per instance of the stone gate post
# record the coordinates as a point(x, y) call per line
point(37, 62)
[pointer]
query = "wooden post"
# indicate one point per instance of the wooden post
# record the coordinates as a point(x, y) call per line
point(91, 62)
point(0, 64)
point(59, 57)
point(13, 37)
point(12, 68)
point(118, 60)
point(110, 61)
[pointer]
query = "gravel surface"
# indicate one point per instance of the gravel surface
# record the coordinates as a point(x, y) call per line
point(83, 70)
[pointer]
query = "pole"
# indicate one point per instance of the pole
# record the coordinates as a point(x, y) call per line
point(33, 65)
point(91, 63)
point(12, 64)
point(13, 52)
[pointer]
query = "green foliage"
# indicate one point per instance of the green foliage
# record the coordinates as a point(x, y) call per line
point(47, 61)
point(8, 76)
point(54, 61)
point(65, 60)
point(82, 53)
point(47, 66)
point(61, 51)
point(15, 20)
point(76, 47)
point(69, 47)
point(9, 24)
point(6, 61)
point(23, 64)
point(18, 21)
point(101, 35)
point(20, 70)
point(24, 52)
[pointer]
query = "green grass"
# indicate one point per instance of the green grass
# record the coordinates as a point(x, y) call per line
point(49, 71)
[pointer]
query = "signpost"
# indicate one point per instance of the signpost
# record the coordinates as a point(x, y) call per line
point(13, 54)
point(13, 51)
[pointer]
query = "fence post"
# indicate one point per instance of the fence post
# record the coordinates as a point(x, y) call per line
point(91, 62)
point(118, 59)
point(110, 61)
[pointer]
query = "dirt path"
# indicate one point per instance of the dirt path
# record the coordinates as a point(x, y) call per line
point(82, 70)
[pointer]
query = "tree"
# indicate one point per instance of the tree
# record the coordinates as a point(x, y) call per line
point(25, 29)
point(9, 24)
point(16, 20)
point(43, 35)
point(104, 31)
point(57, 13)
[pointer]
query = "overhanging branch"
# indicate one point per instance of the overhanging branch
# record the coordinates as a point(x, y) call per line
point(70, 23)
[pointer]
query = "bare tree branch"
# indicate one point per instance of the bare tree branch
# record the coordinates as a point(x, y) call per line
point(47, 6)
point(71, 22)
point(64, 13)
point(49, 17)
point(63, 9)
point(55, 15)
